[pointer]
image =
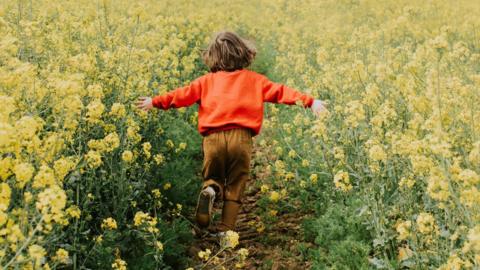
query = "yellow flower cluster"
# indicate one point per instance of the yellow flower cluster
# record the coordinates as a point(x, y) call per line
point(118, 110)
point(107, 144)
point(37, 253)
point(5, 193)
point(230, 239)
point(146, 149)
point(119, 264)
point(156, 193)
point(61, 256)
point(275, 196)
point(426, 223)
point(51, 202)
point(342, 181)
point(145, 221)
point(355, 113)
point(204, 255)
point(127, 156)
point(109, 224)
point(406, 182)
point(403, 229)
point(94, 111)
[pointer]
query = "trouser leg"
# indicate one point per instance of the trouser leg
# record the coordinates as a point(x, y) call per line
point(213, 172)
point(239, 148)
point(229, 215)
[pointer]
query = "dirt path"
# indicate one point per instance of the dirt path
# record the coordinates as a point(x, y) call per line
point(276, 247)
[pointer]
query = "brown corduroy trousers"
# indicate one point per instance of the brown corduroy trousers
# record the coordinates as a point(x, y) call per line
point(226, 167)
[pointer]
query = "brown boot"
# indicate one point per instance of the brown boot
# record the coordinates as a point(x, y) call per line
point(204, 208)
point(229, 215)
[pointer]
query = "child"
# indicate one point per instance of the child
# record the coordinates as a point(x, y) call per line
point(230, 113)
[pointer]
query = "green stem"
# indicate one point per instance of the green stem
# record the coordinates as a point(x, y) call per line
point(76, 227)
point(209, 260)
point(439, 104)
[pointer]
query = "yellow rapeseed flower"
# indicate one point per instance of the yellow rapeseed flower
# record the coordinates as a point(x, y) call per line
point(61, 256)
point(274, 196)
point(5, 194)
point(117, 110)
point(109, 224)
point(204, 255)
point(342, 181)
point(94, 159)
point(119, 264)
point(403, 229)
point(37, 253)
point(426, 223)
point(23, 173)
point(167, 186)
point(230, 240)
point(127, 156)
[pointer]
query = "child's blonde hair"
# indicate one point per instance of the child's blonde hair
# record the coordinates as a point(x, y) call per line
point(228, 52)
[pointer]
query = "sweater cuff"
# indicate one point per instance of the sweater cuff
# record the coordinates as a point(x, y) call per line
point(156, 102)
point(309, 102)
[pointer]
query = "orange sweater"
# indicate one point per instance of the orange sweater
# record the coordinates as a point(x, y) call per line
point(230, 99)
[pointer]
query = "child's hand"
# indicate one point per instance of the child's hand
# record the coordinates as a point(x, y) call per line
point(144, 103)
point(319, 107)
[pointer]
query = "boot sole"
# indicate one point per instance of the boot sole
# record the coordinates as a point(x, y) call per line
point(204, 209)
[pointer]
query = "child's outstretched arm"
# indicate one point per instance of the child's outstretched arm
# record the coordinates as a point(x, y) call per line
point(279, 93)
point(180, 97)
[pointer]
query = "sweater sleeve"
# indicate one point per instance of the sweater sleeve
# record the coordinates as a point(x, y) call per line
point(180, 97)
point(279, 93)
